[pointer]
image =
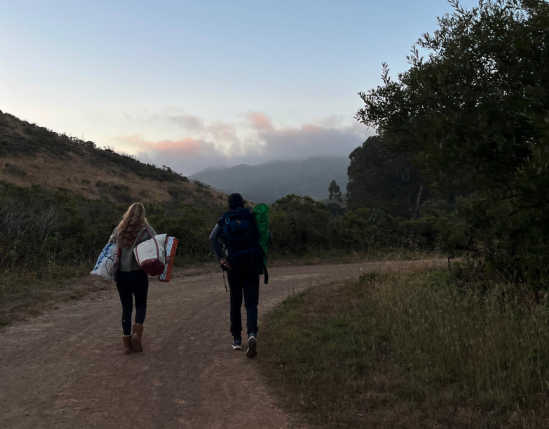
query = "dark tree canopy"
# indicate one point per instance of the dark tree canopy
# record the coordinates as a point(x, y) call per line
point(470, 109)
point(335, 191)
point(382, 179)
point(475, 114)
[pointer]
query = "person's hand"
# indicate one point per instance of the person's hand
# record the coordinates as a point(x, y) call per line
point(225, 264)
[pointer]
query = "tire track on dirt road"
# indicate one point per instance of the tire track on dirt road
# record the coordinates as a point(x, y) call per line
point(65, 369)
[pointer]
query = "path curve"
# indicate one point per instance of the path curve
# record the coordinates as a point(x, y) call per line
point(65, 369)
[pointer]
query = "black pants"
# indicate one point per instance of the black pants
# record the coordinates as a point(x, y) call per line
point(132, 283)
point(244, 281)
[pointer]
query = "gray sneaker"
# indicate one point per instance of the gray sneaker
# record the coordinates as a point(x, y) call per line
point(252, 346)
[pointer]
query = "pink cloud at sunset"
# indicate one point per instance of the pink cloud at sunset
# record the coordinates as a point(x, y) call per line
point(260, 121)
point(188, 146)
point(254, 142)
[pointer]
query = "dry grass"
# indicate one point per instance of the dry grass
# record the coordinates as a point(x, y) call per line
point(342, 256)
point(24, 295)
point(404, 348)
point(33, 162)
point(80, 176)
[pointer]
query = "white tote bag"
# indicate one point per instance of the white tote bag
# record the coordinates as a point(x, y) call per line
point(151, 254)
point(107, 263)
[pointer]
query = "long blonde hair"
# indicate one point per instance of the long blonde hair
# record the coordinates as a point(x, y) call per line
point(132, 222)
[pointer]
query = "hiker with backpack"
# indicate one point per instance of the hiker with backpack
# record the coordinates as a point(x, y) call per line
point(131, 280)
point(244, 262)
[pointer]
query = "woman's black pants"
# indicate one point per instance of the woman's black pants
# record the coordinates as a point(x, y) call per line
point(130, 284)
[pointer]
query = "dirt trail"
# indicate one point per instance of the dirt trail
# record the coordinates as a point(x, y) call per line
point(65, 369)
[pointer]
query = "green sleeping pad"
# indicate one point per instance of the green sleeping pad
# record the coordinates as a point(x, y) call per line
point(261, 214)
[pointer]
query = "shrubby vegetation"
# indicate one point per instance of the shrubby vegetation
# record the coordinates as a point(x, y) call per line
point(473, 118)
point(403, 347)
point(41, 229)
point(386, 180)
point(302, 225)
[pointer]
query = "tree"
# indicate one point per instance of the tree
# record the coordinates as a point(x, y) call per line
point(474, 113)
point(335, 191)
point(468, 109)
point(382, 179)
point(304, 224)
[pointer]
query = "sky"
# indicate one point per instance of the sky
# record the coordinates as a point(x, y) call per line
point(192, 84)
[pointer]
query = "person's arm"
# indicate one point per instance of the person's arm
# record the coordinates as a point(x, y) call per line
point(214, 242)
point(270, 240)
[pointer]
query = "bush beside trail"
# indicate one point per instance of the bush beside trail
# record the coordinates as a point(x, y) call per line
point(40, 229)
point(52, 235)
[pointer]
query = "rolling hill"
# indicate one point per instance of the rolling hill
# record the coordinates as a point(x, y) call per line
point(273, 180)
point(33, 155)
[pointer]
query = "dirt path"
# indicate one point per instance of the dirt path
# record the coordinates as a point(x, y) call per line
point(65, 369)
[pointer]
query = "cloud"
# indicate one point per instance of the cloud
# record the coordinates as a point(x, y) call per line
point(188, 155)
point(185, 147)
point(311, 140)
point(170, 116)
point(255, 141)
point(331, 136)
point(188, 122)
point(260, 121)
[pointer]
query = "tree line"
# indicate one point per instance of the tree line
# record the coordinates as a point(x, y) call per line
point(41, 229)
point(463, 135)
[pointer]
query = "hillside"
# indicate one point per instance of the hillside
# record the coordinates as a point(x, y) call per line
point(33, 155)
point(273, 180)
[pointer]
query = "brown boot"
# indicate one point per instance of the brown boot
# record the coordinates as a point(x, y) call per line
point(136, 338)
point(127, 344)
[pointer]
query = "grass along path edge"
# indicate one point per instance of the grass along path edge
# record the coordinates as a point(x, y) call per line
point(404, 347)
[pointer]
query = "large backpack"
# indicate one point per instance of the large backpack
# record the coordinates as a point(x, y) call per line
point(240, 236)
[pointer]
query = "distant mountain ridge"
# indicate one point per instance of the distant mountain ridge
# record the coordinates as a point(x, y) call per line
point(273, 180)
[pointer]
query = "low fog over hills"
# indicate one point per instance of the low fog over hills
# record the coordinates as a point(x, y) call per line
point(270, 181)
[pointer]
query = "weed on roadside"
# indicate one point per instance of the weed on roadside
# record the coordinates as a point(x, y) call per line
point(403, 347)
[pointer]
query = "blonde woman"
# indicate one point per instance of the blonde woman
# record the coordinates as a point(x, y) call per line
point(131, 280)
